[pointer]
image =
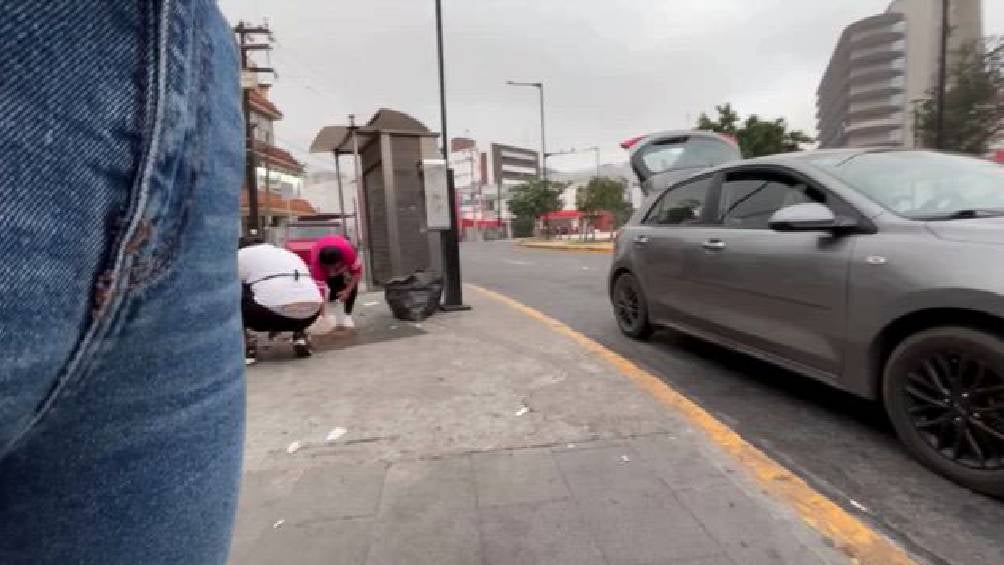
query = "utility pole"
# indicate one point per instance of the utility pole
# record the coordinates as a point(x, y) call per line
point(543, 137)
point(453, 297)
point(504, 233)
point(943, 73)
point(245, 34)
point(362, 223)
point(341, 195)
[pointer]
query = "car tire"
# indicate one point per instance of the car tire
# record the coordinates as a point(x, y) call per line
point(946, 409)
point(630, 307)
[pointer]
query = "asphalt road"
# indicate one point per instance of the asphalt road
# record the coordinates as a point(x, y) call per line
point(842, 445)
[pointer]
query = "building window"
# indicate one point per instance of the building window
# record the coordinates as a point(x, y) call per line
point(262, 129)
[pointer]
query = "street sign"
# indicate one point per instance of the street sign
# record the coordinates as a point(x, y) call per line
point(437, 200)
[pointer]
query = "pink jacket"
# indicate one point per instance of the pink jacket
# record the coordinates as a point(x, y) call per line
point(350, 259)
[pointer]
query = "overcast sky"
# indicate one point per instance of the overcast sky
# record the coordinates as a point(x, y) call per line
point(611, 69)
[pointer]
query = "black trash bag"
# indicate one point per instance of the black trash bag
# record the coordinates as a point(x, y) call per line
point(415, 297)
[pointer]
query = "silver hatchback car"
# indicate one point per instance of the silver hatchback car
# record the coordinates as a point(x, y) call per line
point(880, 272)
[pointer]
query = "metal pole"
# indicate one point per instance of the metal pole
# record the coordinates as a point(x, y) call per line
point(269, 212)
point(543, 136)
point(355, 219)
point(453, 298)
point(942, 74)
point(361, 223)
point(341, 195)
point(442, 82)
point(250, 166)
point(498, 210)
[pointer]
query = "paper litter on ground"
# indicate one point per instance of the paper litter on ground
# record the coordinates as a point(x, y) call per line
point(336, 433)
point(859, 506)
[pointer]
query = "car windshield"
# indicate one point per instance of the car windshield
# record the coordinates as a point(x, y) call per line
point(311, 232)
point(922, 184)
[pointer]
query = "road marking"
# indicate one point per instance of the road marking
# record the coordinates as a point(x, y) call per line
point(517, 262)
point(558, 246)
point(849, 534)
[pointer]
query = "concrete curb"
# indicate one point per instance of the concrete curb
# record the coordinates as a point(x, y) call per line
point(558, 246)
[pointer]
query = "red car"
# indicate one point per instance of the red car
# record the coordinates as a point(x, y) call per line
point(301, 235)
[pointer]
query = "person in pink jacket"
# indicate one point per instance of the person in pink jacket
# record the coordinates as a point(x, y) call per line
point(335, 263)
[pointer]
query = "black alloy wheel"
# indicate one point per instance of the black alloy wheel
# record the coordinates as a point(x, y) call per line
point(945, 396)
point(630, 307)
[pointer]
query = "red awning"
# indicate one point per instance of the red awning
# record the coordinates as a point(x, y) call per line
point(562, 215)
point(472, 223)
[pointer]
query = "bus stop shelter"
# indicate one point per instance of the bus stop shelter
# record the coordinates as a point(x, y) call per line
point(388, 151)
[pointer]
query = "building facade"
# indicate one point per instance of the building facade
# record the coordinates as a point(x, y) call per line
point(468, 180)
point(882, 65)
point(279, 175)
point(510, 166)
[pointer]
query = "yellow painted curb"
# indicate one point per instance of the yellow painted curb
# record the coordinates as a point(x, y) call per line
point(850, 535)
point(568, 247)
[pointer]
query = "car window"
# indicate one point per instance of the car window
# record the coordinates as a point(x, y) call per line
point(704, 152)
point(682, 204)
point(311, 232)
point(748, 200)
point(662, 156)
point(687, 153)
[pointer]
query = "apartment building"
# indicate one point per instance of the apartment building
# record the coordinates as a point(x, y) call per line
point(882, 65)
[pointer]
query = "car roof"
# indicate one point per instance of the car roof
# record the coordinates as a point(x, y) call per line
point(644, 140)
point(689, 133)
point(801, 159)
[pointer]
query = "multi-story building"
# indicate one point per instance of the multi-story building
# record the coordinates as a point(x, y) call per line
point(465, 160)
point(279, 174)
point(882, 66)
point(510, 166)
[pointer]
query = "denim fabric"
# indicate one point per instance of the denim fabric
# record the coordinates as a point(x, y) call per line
point(121, 368)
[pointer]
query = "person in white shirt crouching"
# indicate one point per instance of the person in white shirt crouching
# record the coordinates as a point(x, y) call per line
point(278, 295)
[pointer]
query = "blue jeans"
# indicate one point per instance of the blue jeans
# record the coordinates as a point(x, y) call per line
point(121, 371)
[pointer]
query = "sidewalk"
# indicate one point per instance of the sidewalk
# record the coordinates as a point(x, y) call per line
point(486, 437)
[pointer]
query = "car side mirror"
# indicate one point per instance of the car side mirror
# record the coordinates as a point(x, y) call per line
point(810, 216)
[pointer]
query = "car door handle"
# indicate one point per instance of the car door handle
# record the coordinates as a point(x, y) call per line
point(713, 245)
point(641, 239)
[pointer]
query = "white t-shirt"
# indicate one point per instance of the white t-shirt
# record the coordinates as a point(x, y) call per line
point(259, 265)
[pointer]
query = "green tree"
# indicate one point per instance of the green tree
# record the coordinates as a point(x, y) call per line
point(727, 123)
point(755, 136)
point(974, 106)
point(603, 194)
point(534, 199)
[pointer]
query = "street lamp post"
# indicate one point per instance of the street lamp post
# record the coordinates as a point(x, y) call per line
point(543, 136)
point(453, 298)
